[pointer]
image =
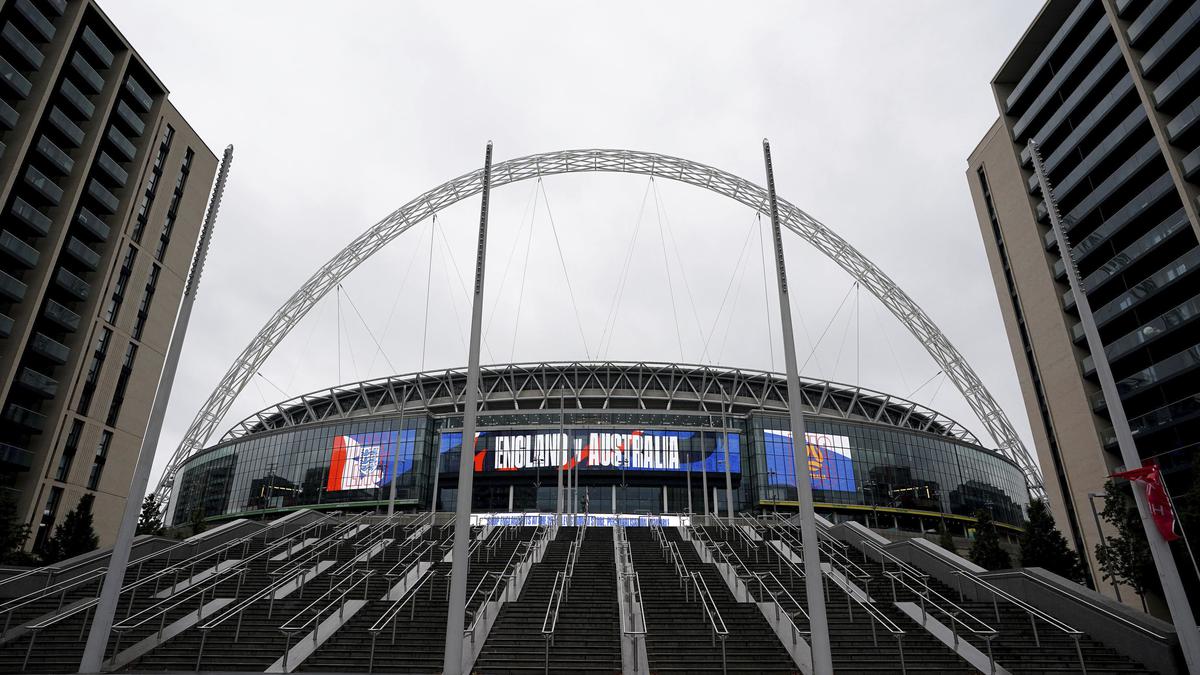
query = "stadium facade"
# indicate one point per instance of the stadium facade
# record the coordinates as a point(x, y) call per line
point(640, 433)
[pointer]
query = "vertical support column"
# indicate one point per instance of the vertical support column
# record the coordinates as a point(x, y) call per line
point(704, 464)
point(614, 499)
point(456, 614)
point(510, 499)
point(664, 494)
point(689, 477)
point(1164, 562)
point(437, 476)
point(396, 455)
point(821, 657)
point(728, 478)
point(562, 439)
point(110, 592)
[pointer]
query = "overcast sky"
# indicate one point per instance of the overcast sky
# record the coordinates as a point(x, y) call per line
point(342, 112)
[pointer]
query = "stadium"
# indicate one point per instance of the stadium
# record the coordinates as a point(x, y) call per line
point(641, 433)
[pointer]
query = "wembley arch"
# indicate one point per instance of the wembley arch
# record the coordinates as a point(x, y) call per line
point(750, 194)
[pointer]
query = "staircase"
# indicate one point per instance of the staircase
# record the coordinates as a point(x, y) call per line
point(586, 637)
point(679, 638)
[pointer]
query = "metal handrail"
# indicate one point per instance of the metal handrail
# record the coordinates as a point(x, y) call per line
point(1090, 605)
point(342, 589)
point(550, 622)
point(890, 557)
point(407, 599)
point(712, 613)
point(632, 624)
point(1033, 612)
point(782, 597)
point(414, 556)
point(931, 599)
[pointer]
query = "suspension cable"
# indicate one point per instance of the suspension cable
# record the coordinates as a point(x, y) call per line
point(667, 267)
point(619, 292)
point(521, 293)
point(387, 325)
point(914, 391)
point(463, 287)
point(428, 285)
point(339, 333)
point(845, 334)
point(530, 207)
point(349, 343)
point(563, 261)
point(268, 381)
point(733, 309)
point(895, 359)
point(666, 216)
point(445, 251)
point(827, 326)
point(378, 347)
point(729, 287)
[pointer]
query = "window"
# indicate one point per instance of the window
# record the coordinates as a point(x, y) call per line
point(114, 409)
point(144, 306)
point(48, 513)
point(89, 383)
point(176, 196)
point(98, 461)
point(118, 294)
point(152, 185)
point(68, 454)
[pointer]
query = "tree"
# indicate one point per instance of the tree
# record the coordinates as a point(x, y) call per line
point(74, 535)
point(1126, 557)
point(946, 540)
point(13, 533)
point(986, 551)
point(1042, 545)
point(150, 521)
point(198, 524)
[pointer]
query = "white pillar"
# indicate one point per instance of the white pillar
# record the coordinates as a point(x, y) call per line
point(456, 613)
point(821, 656)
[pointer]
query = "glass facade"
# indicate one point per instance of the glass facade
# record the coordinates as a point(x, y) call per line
point(635, 458)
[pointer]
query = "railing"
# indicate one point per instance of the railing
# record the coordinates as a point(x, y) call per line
point(633, 623)
point(550, 622)
point(1033, 612)
point(917, 583)
point(785, 604)
point(519, 556)
point(407, 599)
point(414, 556)
point(709, 611)
point(319, 607)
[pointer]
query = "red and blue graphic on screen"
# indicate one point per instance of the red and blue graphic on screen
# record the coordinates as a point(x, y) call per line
point(363, 461)
point(830, 463)
point(697, 451)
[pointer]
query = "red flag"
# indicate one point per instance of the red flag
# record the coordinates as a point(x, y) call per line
point(1156, 496)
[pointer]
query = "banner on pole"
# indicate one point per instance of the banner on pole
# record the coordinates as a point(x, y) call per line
point(1156, 496)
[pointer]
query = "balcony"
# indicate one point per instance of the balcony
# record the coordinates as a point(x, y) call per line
point(71, 284)
point(139, 94)
point(1165, 417)
point(38, 383)
point(8, 115)
point(20, 252)
point(13, 458)
point(21, 44)
point(77, 98)
point(62, 316)
point(43, 185)
point(11, 288)
point(69, 130)
point(14, 79)
point(130, 118)
point(83, 253)
point(59, 6)
point(25, 417)
point(103, 196)
point(114, 170)
point(122, 144)
point(6, 326)
point(59, 159)
point(30, 216)
point(49, 348)
point(36, 19)
point(92, 223)
point(87, 73)
point(99, 49)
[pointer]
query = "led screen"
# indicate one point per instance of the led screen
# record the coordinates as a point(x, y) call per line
point(361, 461)
point(611, 450)
point(830, 464)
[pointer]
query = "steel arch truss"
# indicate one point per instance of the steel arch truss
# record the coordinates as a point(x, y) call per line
point(600, 385)
point(715, 180)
